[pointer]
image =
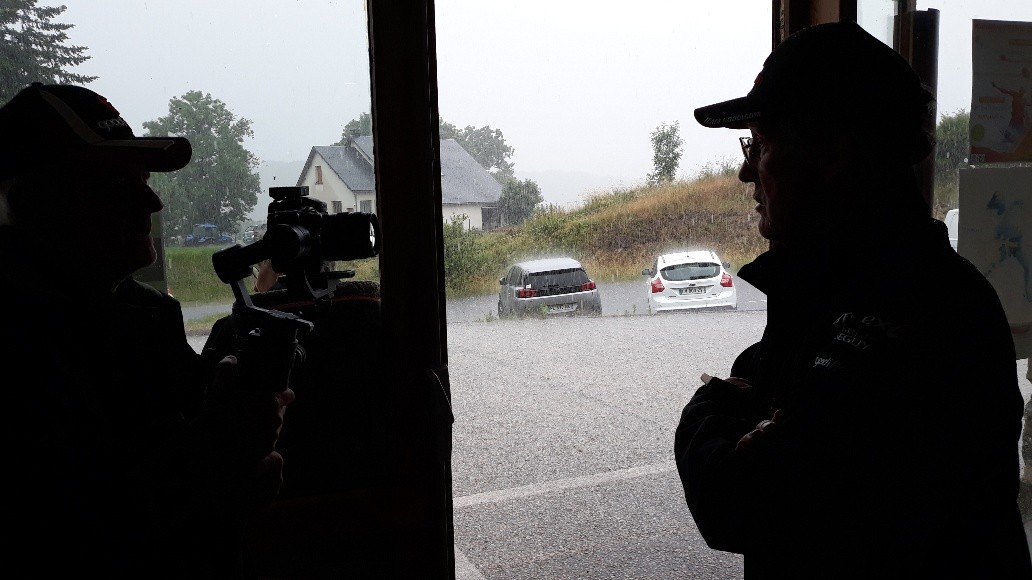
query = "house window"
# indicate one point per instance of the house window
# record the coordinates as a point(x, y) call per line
point(366, 206)
point(318, 174)
point(338, 206)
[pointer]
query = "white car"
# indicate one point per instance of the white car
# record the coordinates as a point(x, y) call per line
point(687, 280)
point(952, 221)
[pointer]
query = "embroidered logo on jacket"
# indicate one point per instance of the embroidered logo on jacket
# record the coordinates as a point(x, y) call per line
point(856, 333)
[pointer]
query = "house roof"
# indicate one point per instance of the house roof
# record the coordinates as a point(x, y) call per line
point(463, 180)
point(350, 165)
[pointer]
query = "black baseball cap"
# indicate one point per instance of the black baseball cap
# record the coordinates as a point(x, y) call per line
point(44, 123)
point(833, 70)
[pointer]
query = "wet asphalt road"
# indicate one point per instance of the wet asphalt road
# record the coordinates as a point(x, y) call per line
point(618, 299)
point(562, 456)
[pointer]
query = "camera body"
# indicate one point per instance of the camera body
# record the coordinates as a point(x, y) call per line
point(300, 240)
point(302, 236)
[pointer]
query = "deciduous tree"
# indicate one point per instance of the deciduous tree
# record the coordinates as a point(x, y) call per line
point(35, 48)
point(518, 200)
point(363, 125)
point(666, 152)
point(220, 185)
point(952, 147)
point(485, 144)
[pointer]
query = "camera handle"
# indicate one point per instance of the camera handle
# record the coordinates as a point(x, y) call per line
point(266, 340)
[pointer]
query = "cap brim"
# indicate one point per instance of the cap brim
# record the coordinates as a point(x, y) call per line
point(159, 154)
point(733, 114)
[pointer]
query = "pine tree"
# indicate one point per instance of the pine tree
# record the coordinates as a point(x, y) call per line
point(34, 48)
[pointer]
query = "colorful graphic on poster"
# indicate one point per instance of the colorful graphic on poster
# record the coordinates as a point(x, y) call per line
point(995, 234)
point(1001, 91)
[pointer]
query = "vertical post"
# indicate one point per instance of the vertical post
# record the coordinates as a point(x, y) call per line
point(919, 44)
point(403, 70)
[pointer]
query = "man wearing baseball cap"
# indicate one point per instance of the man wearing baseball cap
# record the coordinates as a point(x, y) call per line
point(872, 431)
point(128, 454)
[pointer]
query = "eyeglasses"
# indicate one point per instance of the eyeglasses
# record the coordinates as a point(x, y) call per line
point(750, 149)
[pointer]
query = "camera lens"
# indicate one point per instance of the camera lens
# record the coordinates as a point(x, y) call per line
point(350, 236)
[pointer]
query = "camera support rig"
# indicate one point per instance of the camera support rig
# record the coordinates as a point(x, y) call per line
point(301, 238)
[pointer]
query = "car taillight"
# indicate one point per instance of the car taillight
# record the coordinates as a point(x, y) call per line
point(726, 281)
point(526, 293)
point(657, 286)
point(589, 285)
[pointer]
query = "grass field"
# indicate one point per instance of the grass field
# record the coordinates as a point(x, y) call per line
point(614, 234)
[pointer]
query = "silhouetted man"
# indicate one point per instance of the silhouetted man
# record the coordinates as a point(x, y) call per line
point(872, 432)
point(127, 455)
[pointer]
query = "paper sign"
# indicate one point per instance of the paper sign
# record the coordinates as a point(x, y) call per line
point(995, 234)
point(1001, 91)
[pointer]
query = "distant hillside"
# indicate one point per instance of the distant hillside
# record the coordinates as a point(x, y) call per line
point(571, 188)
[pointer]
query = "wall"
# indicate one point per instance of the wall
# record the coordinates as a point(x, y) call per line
point(332, 188)
point(474, 218)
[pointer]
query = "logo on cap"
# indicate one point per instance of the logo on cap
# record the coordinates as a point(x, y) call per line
point(107, 124)
point(108, 105)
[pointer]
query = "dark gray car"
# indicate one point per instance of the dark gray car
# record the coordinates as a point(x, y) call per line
point(547, 287)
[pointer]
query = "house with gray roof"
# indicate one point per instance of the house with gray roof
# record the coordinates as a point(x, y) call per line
point(342, 177)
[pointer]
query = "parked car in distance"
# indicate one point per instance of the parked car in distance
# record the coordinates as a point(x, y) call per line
point(952, 221)
point(687, 280)
point(206, 234)
point(547, 287)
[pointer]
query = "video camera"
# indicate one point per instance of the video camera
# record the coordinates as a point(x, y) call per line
point(300, 241)
point(319, 336)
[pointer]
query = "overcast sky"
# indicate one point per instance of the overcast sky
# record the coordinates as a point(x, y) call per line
point(576, 87)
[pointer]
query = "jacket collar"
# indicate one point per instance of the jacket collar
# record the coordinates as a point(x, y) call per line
point(780, 269)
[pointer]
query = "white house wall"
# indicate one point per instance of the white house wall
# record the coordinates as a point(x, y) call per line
point(365, 196)
point(474, 219)
point(331, 189)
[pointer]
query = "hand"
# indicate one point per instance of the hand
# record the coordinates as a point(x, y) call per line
point(238, 431)
point(736, 381)
point(739, 382)
point(753, 439)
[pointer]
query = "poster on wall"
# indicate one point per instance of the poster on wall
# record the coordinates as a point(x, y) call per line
point(1001, 91)
point(995, 234)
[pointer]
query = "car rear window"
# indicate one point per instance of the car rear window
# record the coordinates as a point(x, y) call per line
point(691, 271)
point(557, 281)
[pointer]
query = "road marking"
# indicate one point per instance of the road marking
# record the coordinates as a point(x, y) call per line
point(465, 570)
point(534, 489)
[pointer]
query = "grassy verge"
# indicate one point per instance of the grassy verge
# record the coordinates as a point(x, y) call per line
point(191, 277)
point(614, 234)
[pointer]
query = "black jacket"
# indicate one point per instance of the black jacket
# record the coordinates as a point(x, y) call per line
point(897, 450)
point(100, 474)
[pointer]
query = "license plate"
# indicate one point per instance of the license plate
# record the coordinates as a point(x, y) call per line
point(562, 308)
point(693, 290)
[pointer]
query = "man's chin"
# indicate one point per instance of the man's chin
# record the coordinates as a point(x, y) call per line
point(765, 230)
point(143, 256)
